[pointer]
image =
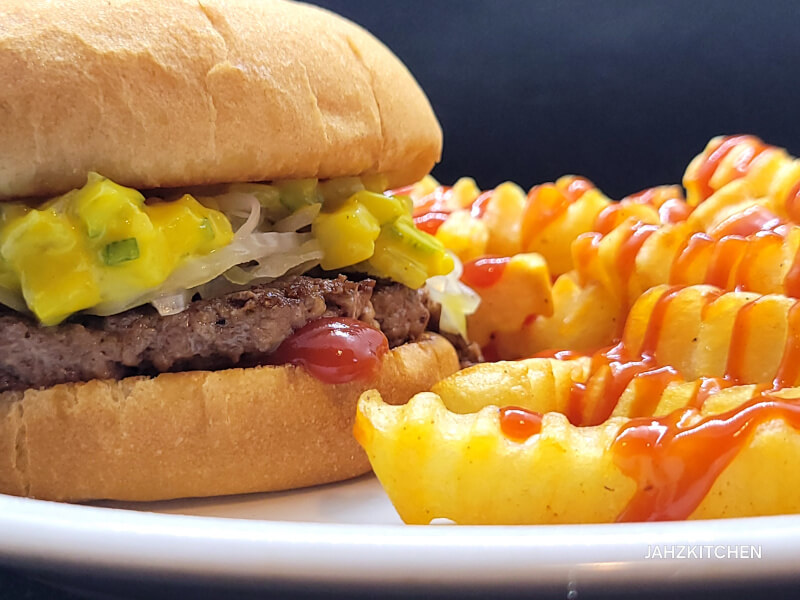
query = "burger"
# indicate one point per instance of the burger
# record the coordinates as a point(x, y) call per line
point(200, 265)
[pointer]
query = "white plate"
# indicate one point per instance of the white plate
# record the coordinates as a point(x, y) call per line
point(349, 534)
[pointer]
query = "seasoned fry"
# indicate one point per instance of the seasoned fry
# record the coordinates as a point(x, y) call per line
point(502, 307)
point(702, 332)
point(584, 318)
point(538, 384)
point(765, 170)
point(437, 464)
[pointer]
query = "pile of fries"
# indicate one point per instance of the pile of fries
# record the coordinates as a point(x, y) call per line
point(646, 352)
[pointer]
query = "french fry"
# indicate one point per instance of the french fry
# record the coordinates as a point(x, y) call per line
point(537, 384)
point(437, 464)
point(584, 318)
point(502, 216)
point(704, 333)
point(552, 238)
point(523, 289)
point(464, 235)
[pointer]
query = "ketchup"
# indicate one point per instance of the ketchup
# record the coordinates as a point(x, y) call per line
point(547, 203)
point(334, 349)
point(675, 463)
point(787, 373)
point(608, 218)
point(696, 247)
point(434, 209)
point(709, 165)
point(751, 220)
point(436, 201)
point(484, 272)
point(518, 424)
point(629, 250)
point(480, 204)
point(674, 459)
point(674, 210)
point(430, 222)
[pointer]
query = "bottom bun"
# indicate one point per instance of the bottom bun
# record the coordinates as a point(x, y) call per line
point(199, 433)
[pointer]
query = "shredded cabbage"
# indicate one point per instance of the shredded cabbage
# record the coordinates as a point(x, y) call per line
point(253, 255)
point(172, 304)
point(456, 299)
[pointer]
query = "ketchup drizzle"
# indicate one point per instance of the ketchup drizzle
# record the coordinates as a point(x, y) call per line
point(675, 459)
point(709, 165)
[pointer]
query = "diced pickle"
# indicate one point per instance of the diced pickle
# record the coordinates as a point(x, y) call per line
point(384, 208)
point(336, 191)
point(407, 201)
point(103, 244)
point(408, 255)
point(297, 193)
point(375, 183)
point(188, 226)
point(347, 235)
point(105, 208)
point(268, 196)
point(53, 263)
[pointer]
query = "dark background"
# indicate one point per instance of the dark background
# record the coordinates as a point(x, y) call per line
point(624, 93)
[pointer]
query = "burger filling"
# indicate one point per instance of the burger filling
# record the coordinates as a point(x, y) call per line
point(221, 270)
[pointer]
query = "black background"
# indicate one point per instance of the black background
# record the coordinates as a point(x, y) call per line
point(624, 93)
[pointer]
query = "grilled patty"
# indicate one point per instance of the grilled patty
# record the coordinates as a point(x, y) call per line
point(238, 329)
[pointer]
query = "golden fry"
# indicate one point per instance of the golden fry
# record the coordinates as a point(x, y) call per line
point(524, 289)
point(437, 464)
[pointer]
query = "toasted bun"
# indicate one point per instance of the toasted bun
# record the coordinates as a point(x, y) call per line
point(165, 93)
point(198, 433)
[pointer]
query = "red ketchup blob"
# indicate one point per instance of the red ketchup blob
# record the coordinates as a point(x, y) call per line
point(484, 272)
point(518, 424)
point(334, 349)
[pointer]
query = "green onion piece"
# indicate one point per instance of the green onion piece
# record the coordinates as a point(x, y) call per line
point(121, 251)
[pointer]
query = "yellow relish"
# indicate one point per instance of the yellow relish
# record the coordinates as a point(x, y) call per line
point(104, 246)
point(376, 234)
point(100, 243)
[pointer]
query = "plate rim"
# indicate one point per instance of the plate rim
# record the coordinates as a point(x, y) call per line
point(59, 536)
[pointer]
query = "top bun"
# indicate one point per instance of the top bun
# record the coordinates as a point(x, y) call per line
point(172, 93)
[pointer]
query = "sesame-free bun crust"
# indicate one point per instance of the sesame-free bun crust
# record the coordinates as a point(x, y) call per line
point(199, 433)
point(165, 93)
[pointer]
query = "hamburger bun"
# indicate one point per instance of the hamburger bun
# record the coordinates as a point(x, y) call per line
point(159, 94)
point(173, 93)
point(199, 433)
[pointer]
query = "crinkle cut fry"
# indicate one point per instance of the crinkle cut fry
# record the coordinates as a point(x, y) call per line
point(766, 172)
point(437, 464)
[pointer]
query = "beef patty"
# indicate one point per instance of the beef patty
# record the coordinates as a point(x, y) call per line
point(238, 329)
